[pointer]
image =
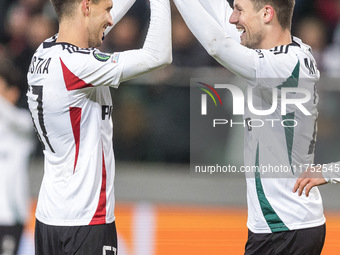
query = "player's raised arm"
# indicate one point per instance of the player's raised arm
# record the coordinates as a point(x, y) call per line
point(120, 8)
point(215, 37)
point(221, 12)
point(157, 50)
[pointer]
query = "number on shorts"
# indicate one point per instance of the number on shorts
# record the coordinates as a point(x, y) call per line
point(109, 248)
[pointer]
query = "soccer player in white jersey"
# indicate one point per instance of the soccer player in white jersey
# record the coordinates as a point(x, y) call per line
point(71, 106)
point(16, 145)
point(270, 59)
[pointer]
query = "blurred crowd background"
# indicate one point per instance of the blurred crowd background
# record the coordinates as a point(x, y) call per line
point(151, 123)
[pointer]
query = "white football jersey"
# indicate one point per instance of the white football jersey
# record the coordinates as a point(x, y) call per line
point(281, 139)
point(71, 107)
point(16, 136)
point(284, 144)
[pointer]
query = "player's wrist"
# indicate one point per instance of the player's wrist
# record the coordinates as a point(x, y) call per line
point(330, 170)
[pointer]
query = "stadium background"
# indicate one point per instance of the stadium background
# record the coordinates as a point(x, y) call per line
point(162, 208)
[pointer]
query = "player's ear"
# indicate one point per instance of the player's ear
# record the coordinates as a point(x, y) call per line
point(86, 7)
point(268, 13)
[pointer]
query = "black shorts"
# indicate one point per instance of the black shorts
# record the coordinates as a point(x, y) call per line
point(10, 238)
point(295, 242)
point(80, 240)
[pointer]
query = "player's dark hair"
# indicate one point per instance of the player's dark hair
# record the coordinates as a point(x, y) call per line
point(64, 8)
point(283, 8)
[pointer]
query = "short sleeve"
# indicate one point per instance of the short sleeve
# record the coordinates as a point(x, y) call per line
point(92, 68)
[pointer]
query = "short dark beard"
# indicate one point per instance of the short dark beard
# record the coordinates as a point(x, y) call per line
point(255, 42)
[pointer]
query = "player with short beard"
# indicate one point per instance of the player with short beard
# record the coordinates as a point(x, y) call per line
point(71, 106)
point(266, 55)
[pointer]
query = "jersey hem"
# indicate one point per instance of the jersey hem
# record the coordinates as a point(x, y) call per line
point(290, 227)
point(71, 222)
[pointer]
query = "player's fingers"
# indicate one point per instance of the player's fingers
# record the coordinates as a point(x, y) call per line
point(308, 188)
point(302, 177)
point(297, 184)
point(302, 185)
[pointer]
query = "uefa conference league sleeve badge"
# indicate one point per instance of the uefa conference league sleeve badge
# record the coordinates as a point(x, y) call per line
point(101, 56)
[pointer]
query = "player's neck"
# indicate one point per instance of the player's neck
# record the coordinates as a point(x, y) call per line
point(276, 38)
point(73, 32)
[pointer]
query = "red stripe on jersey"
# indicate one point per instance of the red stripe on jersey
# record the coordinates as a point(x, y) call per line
point(72, 82)
point(75, 115)
point(100, 215)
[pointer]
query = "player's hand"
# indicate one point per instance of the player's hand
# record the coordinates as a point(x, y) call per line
point(307, 180)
